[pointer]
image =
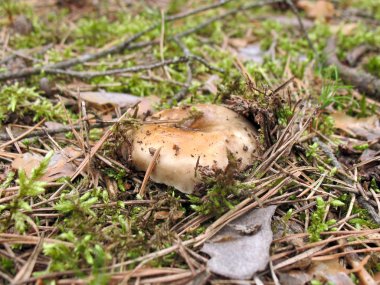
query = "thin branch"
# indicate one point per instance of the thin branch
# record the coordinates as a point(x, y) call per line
point(303, 30)
point(361, 200)
point(365, 82)
point(182, 93)
point(198, 10)
point(371, 211)
point(127, 44)
point(64, 129)
point(112, 50)
point(92, 74)
point(75, 61)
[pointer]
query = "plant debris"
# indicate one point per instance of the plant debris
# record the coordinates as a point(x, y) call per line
point(60, 165)
point(241, 248)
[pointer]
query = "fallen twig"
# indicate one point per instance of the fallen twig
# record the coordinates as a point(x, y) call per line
point(355, 55)
point(64, 129)
point(182, 93)
point(303, 30)
point(362, 80)
point(59, 67)
point(112, 50)
point(361, 199)
point(92, 74)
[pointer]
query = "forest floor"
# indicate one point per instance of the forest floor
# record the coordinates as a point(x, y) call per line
point(78, 77)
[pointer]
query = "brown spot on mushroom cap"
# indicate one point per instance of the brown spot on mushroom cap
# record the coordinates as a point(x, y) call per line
point(209, 136)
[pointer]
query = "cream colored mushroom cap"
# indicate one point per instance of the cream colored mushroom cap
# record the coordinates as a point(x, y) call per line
point(210, 137)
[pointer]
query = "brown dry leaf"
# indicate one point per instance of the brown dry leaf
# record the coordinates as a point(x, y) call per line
point(104, 98)
point(121, 100)
point(59, 165)
point(238, 42)
point(367, 128)
point(54, 125)
point(325, 271)
point(376, 277)
point(330, 271)
point(346, 29)
point(161, 4)
point(317, 10)
point(252, 52)
point(241, 248)
point(293, 277)
point(163, 215)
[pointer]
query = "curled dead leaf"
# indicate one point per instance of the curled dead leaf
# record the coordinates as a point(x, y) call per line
point(239, 255)
point(317, 9)
point(346, 29)
point(146, 104)
point(329, 271)
point(163, 215)
point(367, 128)
point(59, 165)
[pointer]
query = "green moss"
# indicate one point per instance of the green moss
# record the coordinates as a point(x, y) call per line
point(373, 65)
point(362, 35)
point(317, 224)
point(24, 101)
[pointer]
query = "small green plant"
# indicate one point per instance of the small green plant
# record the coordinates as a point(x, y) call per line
point(85, 250)
point(374, 186)
point(329, 96)
point(312, 151)
point(74, 202)
point(10, 8)
point(284, 114)
point(217, 200)
point(29, 187)
point(222, 191)
point(318, 225)
point(373, 65)
point(361, 147)
point(326, 124)
point(24, 101)
point(361, 35)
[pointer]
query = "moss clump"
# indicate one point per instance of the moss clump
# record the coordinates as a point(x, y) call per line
point(20, 103)
point(373, 65)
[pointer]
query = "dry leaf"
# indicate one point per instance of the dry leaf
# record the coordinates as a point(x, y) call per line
point(376, 277)
point(59, 165)
point(121, 100)
point(54, 125)
point(161, 4)
point(252, 52)
point(346, 29)
point(293, 277)
point(163, 215)
point(239, 254)
point(329, 271)
point(317, 10)
point(367, 128)
point(104, 98)
point(238, 42)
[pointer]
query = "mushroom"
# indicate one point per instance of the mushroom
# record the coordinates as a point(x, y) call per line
point(203, 136)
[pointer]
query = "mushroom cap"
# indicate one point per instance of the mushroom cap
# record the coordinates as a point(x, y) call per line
point(207, 131)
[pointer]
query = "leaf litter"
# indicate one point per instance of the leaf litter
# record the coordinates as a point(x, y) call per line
point(60, 165)
point(241, 248)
